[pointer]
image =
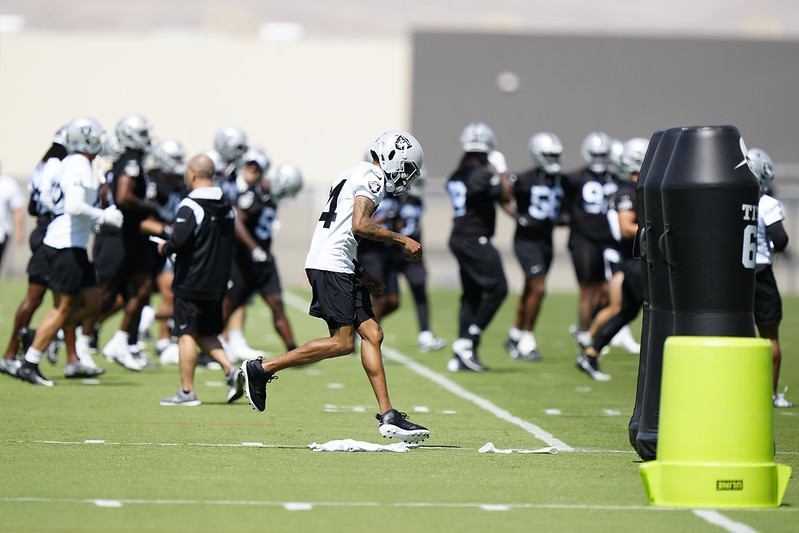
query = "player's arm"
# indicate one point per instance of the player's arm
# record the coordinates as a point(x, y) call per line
point(628, 223)
point(126, 198)
point(364, 226)
point(779, 237)
point(185, 224)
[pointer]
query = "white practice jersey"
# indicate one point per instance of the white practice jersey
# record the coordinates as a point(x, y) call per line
point(11, 199)
point(333, 244)
point(41, 182)
point(769, 211)
point(75, 193)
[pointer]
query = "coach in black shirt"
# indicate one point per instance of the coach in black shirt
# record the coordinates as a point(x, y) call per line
point(202, 242)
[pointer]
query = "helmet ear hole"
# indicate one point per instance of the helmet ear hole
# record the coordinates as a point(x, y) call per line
point(391, 155)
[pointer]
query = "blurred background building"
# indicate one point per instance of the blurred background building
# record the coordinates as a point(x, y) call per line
point(315, 82)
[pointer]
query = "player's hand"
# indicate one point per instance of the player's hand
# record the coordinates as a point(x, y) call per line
point(259, 255)
point(413, 249)
point(112, 217)
point(372, 283)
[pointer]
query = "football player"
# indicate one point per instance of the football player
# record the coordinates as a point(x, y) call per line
point(771, 238)
point(341, 286)
point(539, 194)
point(72, 277)
point(474, 188)
point(254, 267)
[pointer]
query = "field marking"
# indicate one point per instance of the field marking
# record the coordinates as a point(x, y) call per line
point(295, 505)
point(394, 355)
point(451, 386)
point(718, 519)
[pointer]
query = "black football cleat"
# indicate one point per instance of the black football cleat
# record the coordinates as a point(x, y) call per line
point(396, 424)
point(255, 380)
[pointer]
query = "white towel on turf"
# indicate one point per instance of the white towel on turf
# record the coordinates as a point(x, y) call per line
point(489, 447)
point(349, 445)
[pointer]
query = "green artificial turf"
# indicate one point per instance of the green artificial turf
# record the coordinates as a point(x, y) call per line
point(107, 457)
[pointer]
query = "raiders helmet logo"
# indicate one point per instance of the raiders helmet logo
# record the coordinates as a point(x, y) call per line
point(374, 186)
point(402, 143)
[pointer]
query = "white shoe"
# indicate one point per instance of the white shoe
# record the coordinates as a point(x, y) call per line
point(624, 340)
point(10, 366)
point(170, 355)
point(464, 351)
point(427, 341)
point(526, 348)
point(238, 352)
point(146, 321)
point(120, 353)
point(781, 401)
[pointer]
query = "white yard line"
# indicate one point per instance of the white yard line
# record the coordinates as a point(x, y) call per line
point(454, 388)
point(294, 505)
point(718, 519)
point(394, 355)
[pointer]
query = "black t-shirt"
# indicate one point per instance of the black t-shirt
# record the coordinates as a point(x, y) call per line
point(130, 164)
point(539, 197)
point(586, 199)
point(260, 212)
point(474, 191)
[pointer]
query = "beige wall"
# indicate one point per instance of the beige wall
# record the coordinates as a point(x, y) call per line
point(315, 103)
point(318, 104)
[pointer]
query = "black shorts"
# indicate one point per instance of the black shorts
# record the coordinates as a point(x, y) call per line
point(588, 260)
point(70, 270)
point(39, 266)
point(534, 255)
point(339, 299)
point(248, 277)
point(197, 317)
point(116, 257)
point(768, 304)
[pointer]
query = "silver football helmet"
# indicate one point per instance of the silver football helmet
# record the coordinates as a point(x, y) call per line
point(596, 151)
point(169, 156)
point(614, 156)
point(400, 157)
point(257, 156)
point(133, 132)
point(219, 164)
point(632, 157)
point(84, 134)
point(60, 136)
point(111, 149)
point(762, 167)
point(286, 182)
point(478, 137)
point(546, 149)
point(230, 142)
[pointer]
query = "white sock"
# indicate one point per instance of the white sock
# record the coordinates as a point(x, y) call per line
point(235, 337)
point(121, 337)
point(527, 342)
point(514, 334)
point(33, 356)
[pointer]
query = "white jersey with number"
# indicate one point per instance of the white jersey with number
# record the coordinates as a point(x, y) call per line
point(333, 244)
point(769, 211)
point(41, 181)
point(74, 195)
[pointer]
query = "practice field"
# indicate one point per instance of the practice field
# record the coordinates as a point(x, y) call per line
point(103, 455)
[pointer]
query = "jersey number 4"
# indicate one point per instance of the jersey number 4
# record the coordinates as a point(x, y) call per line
point(329, 216)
